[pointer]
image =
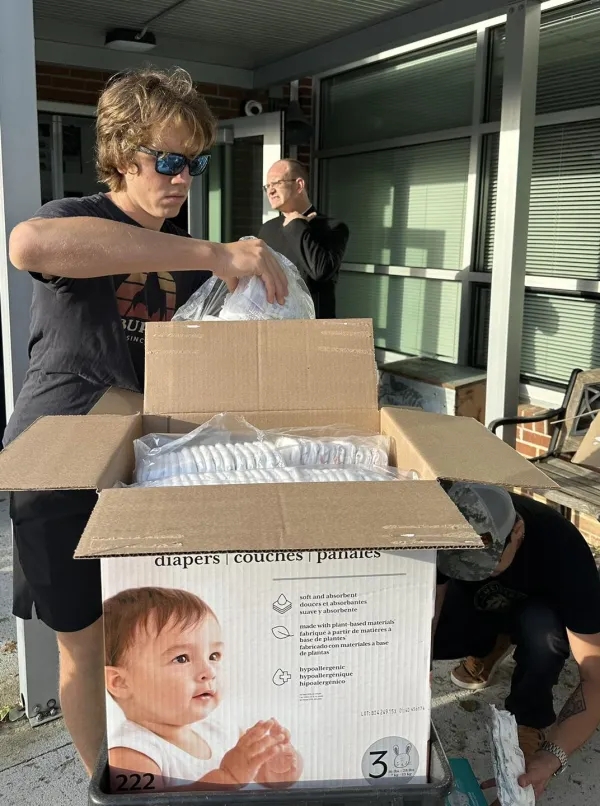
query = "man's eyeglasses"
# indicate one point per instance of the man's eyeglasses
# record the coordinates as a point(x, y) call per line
point(170, 164)
point(276, 184)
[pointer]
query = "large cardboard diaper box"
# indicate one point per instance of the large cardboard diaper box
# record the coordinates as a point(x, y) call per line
point(265, 635)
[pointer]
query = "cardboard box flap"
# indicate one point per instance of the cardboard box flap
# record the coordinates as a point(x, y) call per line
point(588, 452)
point(260, 366)
point(445, 447)
point(70, 452)
point(119, 401)
point(266, 517)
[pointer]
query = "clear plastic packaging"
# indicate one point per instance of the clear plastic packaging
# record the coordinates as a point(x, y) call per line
point(229, 443)
point(282, 475)
point(212, 301)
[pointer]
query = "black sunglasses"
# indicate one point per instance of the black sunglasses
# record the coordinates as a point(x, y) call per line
point(173, 164)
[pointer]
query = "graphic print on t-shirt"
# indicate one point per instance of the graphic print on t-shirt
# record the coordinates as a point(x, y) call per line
point(145, 298)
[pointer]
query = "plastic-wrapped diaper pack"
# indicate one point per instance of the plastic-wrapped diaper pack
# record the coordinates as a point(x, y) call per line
point(228, 450)
point(212, 301)
point(508, 759)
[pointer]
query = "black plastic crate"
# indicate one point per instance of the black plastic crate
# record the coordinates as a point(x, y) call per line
point(432, 794)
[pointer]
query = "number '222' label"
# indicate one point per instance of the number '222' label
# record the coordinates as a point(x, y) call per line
point(134, 782)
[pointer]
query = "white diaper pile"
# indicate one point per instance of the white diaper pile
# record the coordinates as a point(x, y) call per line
point(508, 759)
point(285, 452)
point(228, 450)
point(278, 475)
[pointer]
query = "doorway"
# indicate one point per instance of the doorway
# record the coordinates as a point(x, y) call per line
point(229, 203)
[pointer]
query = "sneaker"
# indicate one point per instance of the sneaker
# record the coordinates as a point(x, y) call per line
point(477, 673)
point(530, 740)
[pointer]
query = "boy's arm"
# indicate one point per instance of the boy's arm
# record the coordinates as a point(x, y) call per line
point(82, 247)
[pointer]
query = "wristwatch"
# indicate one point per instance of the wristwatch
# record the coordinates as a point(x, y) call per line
point(559, 753)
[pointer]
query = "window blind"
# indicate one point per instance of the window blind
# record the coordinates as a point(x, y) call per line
point(560, 333)
point(410, 314)
point(569, 62)
point(564, 214)
point(407, 95)
point(404, 207)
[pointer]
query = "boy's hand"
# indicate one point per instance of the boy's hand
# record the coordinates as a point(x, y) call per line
point(284, 768)
point(252, 257)
point(255, 748)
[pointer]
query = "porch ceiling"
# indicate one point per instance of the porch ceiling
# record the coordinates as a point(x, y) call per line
point(264, 30)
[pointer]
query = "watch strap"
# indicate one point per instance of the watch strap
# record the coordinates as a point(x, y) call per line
point(559, 753)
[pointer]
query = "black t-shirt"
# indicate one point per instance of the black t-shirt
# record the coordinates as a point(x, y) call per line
point(554, 564)
point(88, 334)
point(316, 248)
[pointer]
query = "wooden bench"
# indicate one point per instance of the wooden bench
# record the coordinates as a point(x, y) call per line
point(579, 488)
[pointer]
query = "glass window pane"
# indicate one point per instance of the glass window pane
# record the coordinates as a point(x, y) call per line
point(404, 207)
point(564, 213)
point(79, 164)
point(411, 94)
point(569, 63)
point(410, 314)
point(560, 333)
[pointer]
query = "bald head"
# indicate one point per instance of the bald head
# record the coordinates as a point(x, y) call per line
point(287, 186)
point(295, 170)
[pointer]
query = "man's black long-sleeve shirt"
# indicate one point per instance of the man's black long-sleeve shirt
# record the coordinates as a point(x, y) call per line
point(317, 248)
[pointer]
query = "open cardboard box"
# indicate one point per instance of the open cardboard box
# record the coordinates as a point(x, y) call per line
point(358, 623)
point(277, 374)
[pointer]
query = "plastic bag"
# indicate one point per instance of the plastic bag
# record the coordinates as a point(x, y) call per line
point(227, 442)
point(281, 475)
point(212, 301)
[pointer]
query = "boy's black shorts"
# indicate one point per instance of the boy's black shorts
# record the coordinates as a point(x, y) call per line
point(47, 528)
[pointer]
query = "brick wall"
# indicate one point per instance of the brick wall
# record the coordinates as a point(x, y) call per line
point(73, 85)
point(81, 86)
point(533, 439)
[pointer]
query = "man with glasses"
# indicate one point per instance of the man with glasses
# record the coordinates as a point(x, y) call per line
point(313, 242)
point(103, 266)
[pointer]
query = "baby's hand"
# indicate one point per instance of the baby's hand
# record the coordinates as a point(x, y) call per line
point(285, 767)
point(255, 748)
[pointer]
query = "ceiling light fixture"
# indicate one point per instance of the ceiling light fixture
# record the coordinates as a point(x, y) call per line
point(130, 39)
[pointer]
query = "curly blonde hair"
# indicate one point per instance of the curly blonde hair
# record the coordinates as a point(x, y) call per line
point(138, 103)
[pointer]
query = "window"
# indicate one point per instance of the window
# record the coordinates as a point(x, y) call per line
point(561, 316)
point(560, 333)
point(410, 162)
point(411, 315)
point(394, 166)
point(412, 94)
point(569, 62)
point(564, 211)
point(405, 206)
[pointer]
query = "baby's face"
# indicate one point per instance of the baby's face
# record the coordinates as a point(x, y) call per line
point(173, 678)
